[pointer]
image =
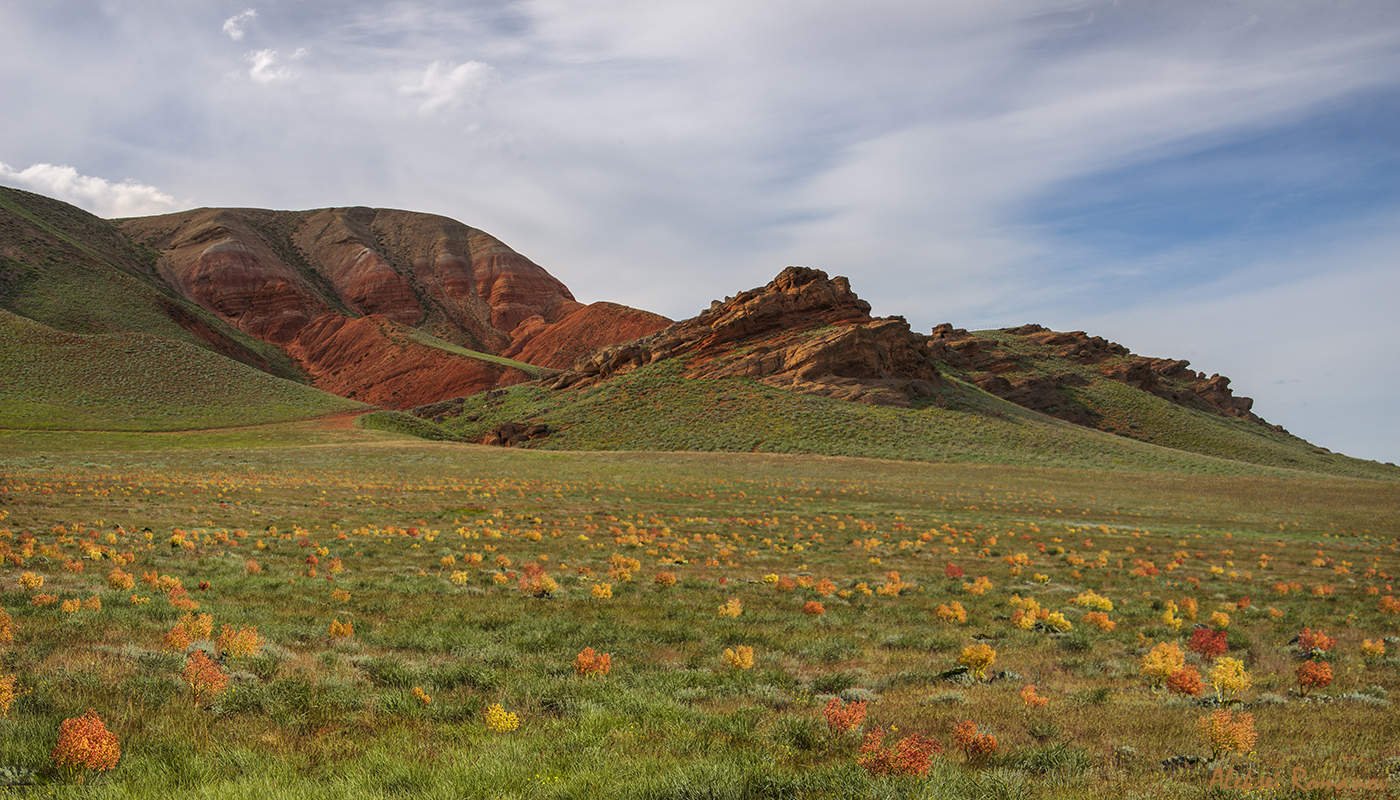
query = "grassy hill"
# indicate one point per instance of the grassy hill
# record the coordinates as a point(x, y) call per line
point(657, 408)
point(70, 270)
point(52, 379)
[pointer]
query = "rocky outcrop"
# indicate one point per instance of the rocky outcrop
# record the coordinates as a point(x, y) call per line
point(804, 331)
point(1174, 380)
point(514, 434)
point(1033, 366)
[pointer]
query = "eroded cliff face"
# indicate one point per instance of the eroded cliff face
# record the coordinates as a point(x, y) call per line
point(580, 333)
point(803, 330)
point(337, 289)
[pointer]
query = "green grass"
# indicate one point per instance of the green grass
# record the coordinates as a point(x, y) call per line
point(1153, 419)
point(425, 338)
point(657, 408)
point(403, 423)
point(309, 717)
point(50, 379)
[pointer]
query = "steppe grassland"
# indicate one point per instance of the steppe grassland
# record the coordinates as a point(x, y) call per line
point(461, 578)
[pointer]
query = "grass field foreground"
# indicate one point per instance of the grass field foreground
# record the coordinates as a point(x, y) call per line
point(391, 617)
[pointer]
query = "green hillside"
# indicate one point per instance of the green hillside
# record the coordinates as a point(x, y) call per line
point(70, 270)
point(52, 379)
point(657, 408)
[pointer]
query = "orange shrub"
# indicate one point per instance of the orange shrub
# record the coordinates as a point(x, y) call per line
point(7, 694)
point(236, 642)
point(975, 744)
point(952, 613)
point(911, 755)
point(665, 579)
point(1226, 732)
point(1314, 675)
point(1186, 681)
point(120, 580)
point(341, 630)
point(1315, 643)
point(1031, 699)
point(591, 662)
point(812, 608)
point(842, 717)
point(1100, 620)
point(7, 627)
point(204, 676)
point(85, 743)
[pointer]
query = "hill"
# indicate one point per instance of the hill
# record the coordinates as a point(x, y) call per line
point(359, 297)
point(799, 365)
point(55, 380)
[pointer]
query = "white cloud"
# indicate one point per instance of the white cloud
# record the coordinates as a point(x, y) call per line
point(236, 25)
point(267, 66)
point(98, 195)
point(443, 88)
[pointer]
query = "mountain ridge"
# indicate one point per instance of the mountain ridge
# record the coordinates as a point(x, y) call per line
point(404, 310)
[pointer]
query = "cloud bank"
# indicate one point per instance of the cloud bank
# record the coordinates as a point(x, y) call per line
point(98, 195)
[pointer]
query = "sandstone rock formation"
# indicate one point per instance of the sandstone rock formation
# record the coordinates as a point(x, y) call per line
point(803, 331)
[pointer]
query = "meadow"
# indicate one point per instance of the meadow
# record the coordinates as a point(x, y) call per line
point(318, 610)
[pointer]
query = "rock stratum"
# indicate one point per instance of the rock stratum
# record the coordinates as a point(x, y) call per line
point(342, 291)
point(802, 331)
point(1046, 371)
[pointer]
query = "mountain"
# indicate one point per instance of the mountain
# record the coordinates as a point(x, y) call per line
point(800, 365)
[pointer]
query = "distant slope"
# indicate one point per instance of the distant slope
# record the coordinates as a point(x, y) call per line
point(68, 269)
point(51, 379)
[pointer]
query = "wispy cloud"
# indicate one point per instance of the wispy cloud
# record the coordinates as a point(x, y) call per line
point(442, 86)
point(266, 66)
point(98, 195)
point(236, 25)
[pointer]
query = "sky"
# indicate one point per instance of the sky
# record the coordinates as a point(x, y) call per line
point(1217, 181)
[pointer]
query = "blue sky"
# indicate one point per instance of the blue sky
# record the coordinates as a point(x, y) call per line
point(1209, 180)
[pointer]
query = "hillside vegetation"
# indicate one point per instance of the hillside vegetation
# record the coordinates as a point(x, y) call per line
point(51, 379)
point(70, 270)
point(657, 408)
